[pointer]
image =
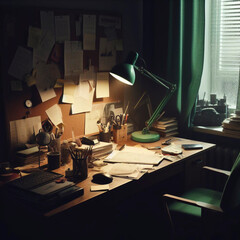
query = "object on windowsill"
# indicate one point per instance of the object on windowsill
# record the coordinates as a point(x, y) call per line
point(231, 125)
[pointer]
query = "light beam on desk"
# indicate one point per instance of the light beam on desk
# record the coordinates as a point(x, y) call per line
point(125, 73)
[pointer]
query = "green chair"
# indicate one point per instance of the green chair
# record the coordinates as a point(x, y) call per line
point(202, 213)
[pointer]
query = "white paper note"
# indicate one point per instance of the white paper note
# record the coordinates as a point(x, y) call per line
point(107, 54)
point(21, 63)
point(22, 131)
point(47, 94)
point(89, 32)
point(73, 58)
point(34, 36)
point(47, 22)
point(55, 114)
point(102, 87)
point(68, 92)
point(92, 117)
point(62, 28)
point(42, 52)
point(83, 98)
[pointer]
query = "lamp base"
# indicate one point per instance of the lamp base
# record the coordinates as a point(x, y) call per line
point(152, 136)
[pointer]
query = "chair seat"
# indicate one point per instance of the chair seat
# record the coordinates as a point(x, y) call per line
point(197, 194)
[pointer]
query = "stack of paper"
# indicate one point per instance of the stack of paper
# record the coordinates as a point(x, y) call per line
point(100, 149)
point(126, 170)
point(134, 155)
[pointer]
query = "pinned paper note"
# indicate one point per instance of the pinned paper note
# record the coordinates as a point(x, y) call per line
point(62, 28)
point(24, 130)
point(102, 87)
point(44, 48)
point(83, 97)
point(47, 75)
point(68, 92)
point(89, 32)
point(73, 58)
point(21, 63)
point(47, 94)
point(47, 22)
point(34, 36)
point(55, 114)
point(92, 117)
point(107, 54)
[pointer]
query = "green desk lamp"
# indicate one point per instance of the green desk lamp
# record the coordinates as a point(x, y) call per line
point(126, 73)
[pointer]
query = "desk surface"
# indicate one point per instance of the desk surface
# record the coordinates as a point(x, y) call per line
point(122, 183)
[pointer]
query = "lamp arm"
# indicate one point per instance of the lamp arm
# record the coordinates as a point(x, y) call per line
point(154, 77)
point(171, 89)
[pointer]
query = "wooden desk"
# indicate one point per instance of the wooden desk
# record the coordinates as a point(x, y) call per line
point(164, 170)
point(89, 208)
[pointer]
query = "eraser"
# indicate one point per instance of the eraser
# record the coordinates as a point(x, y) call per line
point(103, 187)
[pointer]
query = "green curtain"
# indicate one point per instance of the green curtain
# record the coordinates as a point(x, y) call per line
point(185, 54)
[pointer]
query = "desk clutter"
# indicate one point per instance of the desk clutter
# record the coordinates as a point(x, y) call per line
point(43, 190)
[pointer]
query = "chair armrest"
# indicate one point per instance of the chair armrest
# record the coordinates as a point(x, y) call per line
point(217, 170)
point(193, 203)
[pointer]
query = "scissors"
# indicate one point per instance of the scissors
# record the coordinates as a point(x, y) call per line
point(118, 120)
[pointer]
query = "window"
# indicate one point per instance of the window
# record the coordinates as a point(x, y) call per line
point(222, 51)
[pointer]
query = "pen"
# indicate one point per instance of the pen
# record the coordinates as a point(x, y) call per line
point(154, 148)
point(167, 142)
point(122, 147)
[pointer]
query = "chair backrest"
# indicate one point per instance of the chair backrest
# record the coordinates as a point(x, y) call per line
point(230, 200)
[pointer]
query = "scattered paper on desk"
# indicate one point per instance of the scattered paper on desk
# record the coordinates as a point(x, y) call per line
point(102, 87)
point(137, 156)
point(126, 170)
point(55, 114)
point(68, 92)
point(23, 130)
point(172, 149)
point(73, 58)
point(62, 28)
point(83, 97)
point(21, 63)
point(46, 94)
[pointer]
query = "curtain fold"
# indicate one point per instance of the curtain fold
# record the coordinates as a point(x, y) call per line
point(185, 54)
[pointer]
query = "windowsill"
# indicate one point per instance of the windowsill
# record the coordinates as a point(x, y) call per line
point(217, 130)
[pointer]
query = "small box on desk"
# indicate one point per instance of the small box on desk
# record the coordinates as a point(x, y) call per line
point(120, 133)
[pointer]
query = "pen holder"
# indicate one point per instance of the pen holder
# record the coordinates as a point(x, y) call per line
point(120, 133)
point(80, 169)
point(105, 136)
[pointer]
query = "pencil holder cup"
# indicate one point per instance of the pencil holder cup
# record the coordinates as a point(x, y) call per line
point(80, 169)
point(105, 136)
point(120, 133)
point(53, 160)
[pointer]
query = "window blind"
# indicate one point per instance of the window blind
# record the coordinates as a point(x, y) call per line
point(228, 34)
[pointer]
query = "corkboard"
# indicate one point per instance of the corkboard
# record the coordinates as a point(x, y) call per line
point(20, 19)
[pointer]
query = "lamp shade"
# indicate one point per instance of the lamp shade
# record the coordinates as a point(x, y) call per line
point(125, 72)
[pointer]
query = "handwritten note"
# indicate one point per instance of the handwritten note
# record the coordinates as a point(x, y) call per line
point(102, 87)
